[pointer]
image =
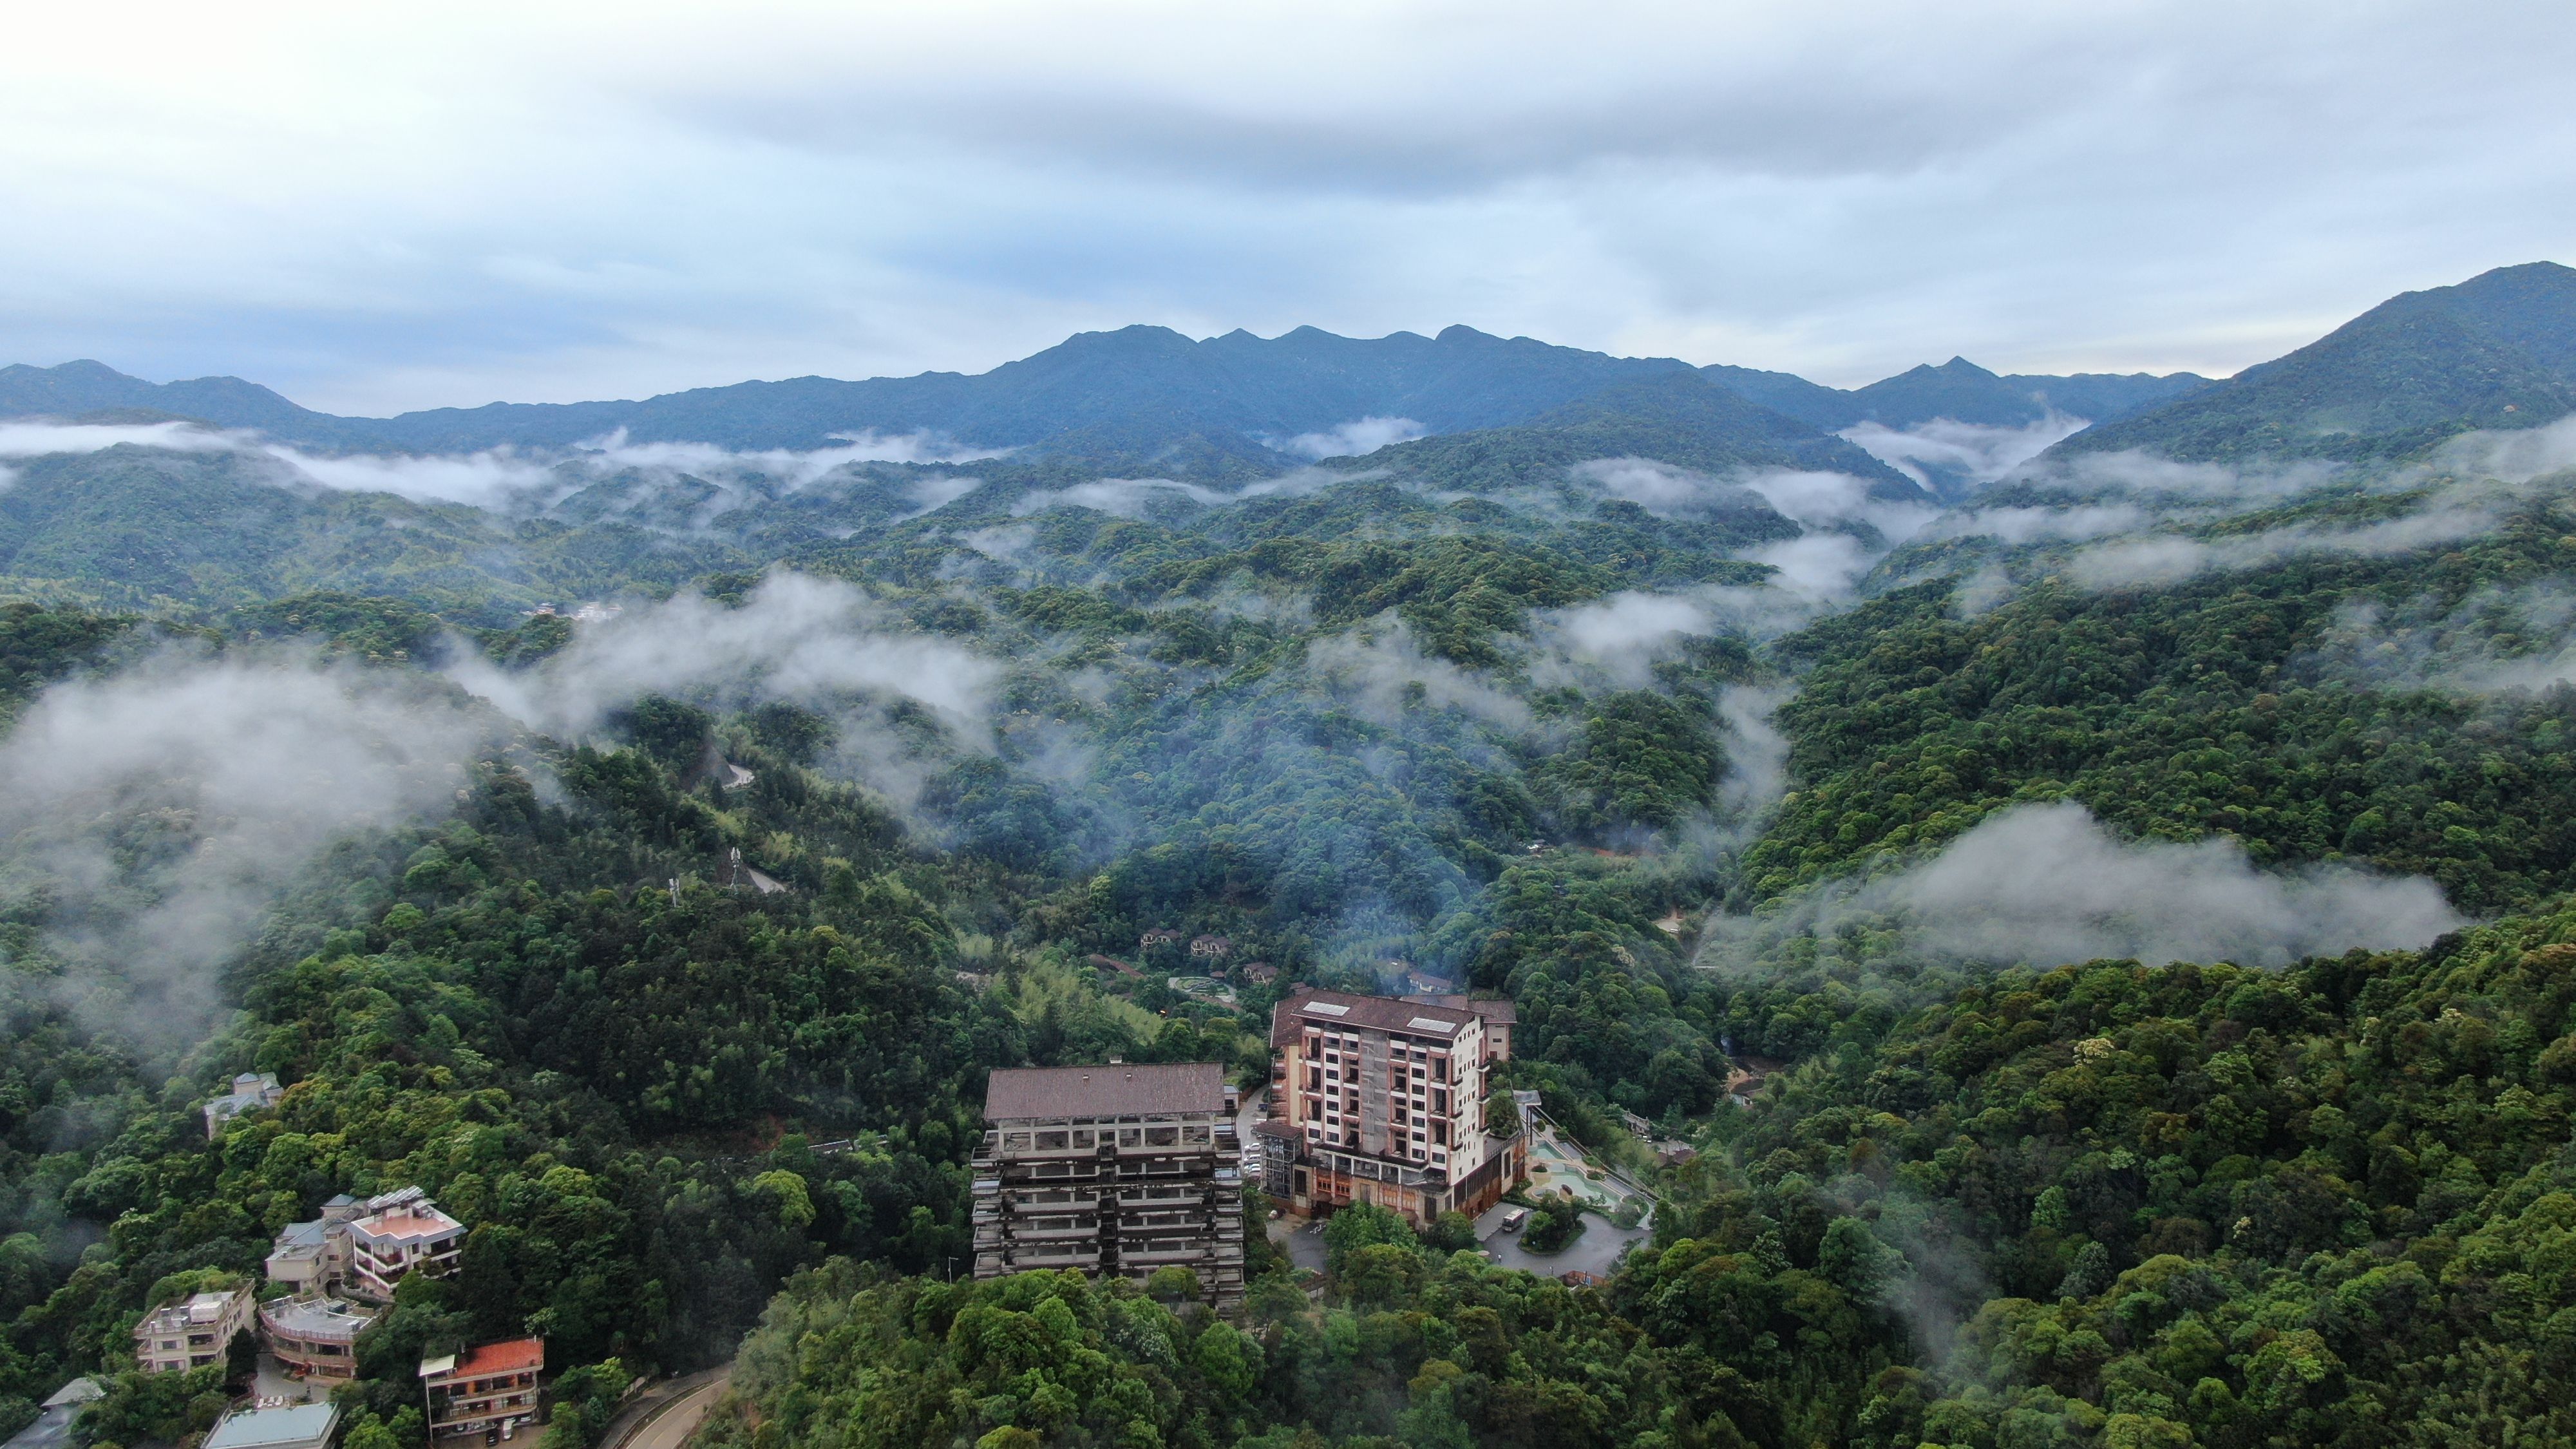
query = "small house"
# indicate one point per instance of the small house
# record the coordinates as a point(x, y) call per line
point(251, 1090)
point(489, 1390)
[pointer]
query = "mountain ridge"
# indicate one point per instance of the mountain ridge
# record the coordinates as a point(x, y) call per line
point(1146, 386)
point(2495, 351)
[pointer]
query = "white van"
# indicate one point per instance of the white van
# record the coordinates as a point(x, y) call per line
point(1512, 1220)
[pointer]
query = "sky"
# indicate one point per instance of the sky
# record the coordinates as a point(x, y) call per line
point(381, 207)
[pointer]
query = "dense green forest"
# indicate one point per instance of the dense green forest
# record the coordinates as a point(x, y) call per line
point(2143, 1207)
point(1624, 696)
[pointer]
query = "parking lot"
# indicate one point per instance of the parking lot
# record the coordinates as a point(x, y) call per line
point(1597, 1251)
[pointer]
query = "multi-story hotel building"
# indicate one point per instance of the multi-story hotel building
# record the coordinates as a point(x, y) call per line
point(1381, 1099)
point(1115, 1170)
point(489, 1389)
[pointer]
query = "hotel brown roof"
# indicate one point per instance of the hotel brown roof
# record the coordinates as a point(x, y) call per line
point(1491, 1008)
point(1290, 1018)
point(1120, 1089)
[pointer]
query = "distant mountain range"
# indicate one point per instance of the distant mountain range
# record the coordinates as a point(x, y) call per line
point(1960, 391)
point(1138, 395)
point(2497, 351)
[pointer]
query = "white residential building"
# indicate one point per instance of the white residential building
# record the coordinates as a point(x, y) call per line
point(191, 1333)
point(402, 1233)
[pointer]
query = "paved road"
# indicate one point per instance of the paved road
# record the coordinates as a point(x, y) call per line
point(668, 1423)
point(1302, 1242)
point(1255, 1108)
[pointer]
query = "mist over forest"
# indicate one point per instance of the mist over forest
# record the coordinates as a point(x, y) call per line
point(2083, 863)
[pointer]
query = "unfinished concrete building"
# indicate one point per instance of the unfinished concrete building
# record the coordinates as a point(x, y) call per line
point(1116, 1170)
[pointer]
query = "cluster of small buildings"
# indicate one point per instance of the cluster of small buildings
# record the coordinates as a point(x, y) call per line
point(341, 1268)
point(489, 1391)
point(1126, 1169)
point(339, 1272)
point(1214, 950)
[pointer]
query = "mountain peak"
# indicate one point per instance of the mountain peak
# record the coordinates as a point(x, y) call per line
point(2495, 351)
point(87, 370)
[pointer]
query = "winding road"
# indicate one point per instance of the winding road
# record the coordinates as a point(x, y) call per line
point(668, 1423)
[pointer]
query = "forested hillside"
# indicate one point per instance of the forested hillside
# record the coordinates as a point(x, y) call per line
point(2103, 932)
point(2491, 352)
point(2144, 1206)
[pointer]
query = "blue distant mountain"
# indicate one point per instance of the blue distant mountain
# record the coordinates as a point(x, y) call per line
point(1145, 395)
point(1960, 391)
point(2496, 351)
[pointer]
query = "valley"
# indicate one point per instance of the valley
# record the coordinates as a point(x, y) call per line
point(2053, 891)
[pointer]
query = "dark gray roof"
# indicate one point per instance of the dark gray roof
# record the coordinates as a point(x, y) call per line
point(1119, 1090)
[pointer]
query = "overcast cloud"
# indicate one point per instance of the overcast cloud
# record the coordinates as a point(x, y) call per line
point(375, 208)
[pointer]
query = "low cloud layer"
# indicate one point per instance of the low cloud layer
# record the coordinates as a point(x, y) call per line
point(796, 639)
point(2021, 525)
point(2516, 455)
point(1954, 458)
point(2170, 558)
point(791, 466)
point(2146, 476)
point(2047, 884)
point(164, 808)
point(2146, 516)
point(1145, 497)
point(1355, 439)
point(1617, 640)
point(1757, 754)
point(2497, 641)
point(494, 477)
point(1664, 490)
point(37, 439)
point(1832, 500)
point(1381, 672)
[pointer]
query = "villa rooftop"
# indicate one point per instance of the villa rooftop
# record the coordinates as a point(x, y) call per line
point(316, 1317)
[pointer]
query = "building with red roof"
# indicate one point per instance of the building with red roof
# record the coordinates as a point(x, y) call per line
point(490, 1388)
